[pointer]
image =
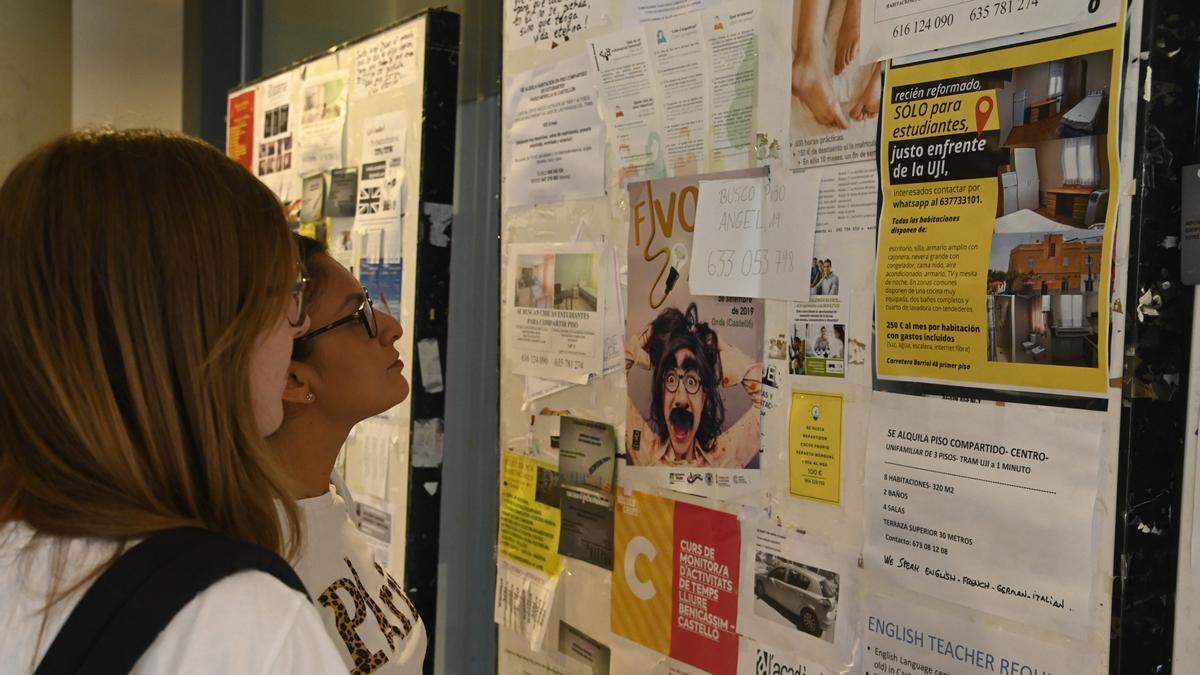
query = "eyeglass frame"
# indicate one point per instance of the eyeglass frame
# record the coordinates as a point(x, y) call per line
point(298, 293)
point(371, 324)
point(680, 376)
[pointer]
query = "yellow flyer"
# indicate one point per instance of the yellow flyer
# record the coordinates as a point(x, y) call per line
point(815, 446)
point(529, 513)
point(999, 174)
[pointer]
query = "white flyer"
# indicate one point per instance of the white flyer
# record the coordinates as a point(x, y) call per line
point(801, 594)
point(891, 28)
point(555, 135)
point(678, 48)
point(523, 600)
point(643, 11)
point(273, 132)
point(381, 174)
point(549, 23)
point(755, 656)
point(986, 505)
point(555, 310)
point(386, 62)
point(733, 42)
point(322, 121)
point(753, 236)
point(628, 103)
point(906, 639)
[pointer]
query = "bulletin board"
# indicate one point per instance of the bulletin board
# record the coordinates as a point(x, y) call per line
point(358, 143)
point(812, 339)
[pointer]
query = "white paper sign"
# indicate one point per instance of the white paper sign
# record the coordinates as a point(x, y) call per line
point(374, 444)
point(754, 237)
point(384, 63)
point(323, 103)
point(900, 637)
point(801, 594)
point(549, 23)
point(893, 28)
point(523, 600)
point(985, 505)
point(556, 137)
point(642, 11)
point(555, 310)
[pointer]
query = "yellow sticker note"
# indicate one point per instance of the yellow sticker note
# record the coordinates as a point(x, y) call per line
point(815, 446)
point(529, 513)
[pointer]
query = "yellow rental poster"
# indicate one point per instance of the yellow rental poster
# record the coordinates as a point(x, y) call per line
point(815, 446)
point(999, 174)
point(529, 513)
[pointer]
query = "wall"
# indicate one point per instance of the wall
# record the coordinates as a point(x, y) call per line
point(127, 63)
point(35, 53)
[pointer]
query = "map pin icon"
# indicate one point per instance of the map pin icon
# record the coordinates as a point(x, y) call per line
point(983, 112)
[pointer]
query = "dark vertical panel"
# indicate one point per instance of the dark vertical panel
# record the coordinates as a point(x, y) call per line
point(212, 65)
point(466, 633)
point(1157, 356)
point(432, 298)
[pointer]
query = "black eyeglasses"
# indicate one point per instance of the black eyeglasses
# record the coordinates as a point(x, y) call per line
point(691, 383)
point(297, 311)
point(365, 314)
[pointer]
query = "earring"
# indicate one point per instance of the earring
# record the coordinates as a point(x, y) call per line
point(310, 397)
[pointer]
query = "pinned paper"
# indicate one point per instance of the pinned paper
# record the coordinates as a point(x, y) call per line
point(431, 365)
point(754, 237)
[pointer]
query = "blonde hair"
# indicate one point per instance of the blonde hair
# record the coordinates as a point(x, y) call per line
point(138, 270)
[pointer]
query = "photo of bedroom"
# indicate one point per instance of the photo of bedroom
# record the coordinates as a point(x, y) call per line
point(1044, 269)
point(1054, 125)
point(575, 282)
point(534, 280)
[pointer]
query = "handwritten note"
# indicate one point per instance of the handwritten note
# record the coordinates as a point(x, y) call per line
point(754, 236)
point(387, 62)
point(549, 23)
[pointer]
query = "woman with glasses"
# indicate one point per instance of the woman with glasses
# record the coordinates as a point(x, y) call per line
point(150, 293)
point(344, 370)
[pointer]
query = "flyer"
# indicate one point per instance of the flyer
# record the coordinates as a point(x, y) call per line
point(643, 11)
point(761, 658)
point(753, 235)
point(343, 191)
point(587, 452)
point(614, 330)
point(587, 525)
point(529, 513)
point(678, 48)
point(835, 97)
point(273, 137)
point(380, 268)
point(555, 138)
point(999, 205)
point(894, 28)
point(816, 344)
point(386, 62)
point(675, 580)
point(239, 132)
point(318, 136)
point(628, 103)
point(733, 65)
point(799, 594)
point(906, 639)
point(549, 23)
point(815, 446)
point(554, 310)
point(583, 648)
point(523, 600)
point(693, 363)
point(985, 505)
point(312, 200)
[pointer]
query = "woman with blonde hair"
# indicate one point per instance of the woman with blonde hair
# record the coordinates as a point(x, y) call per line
point(150, 294)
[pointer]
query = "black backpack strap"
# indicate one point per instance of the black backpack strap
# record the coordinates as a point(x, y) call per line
point(128, 605)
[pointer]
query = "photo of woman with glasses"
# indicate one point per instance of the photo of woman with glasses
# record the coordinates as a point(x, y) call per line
point(151, 293)
point(344, 369)
point(686, 420)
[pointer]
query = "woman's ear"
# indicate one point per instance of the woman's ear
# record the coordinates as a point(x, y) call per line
point(298, 388)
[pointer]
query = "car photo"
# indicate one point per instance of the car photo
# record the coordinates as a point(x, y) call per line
point(801, 595)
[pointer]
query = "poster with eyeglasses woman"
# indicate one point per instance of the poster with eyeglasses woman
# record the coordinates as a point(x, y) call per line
point(693, 362)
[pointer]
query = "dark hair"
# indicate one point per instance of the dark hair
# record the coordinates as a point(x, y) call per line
point(309, 250)
point(671, 331)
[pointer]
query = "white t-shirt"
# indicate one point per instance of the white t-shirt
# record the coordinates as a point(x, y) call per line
point(363, 607)
point(249, 622)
